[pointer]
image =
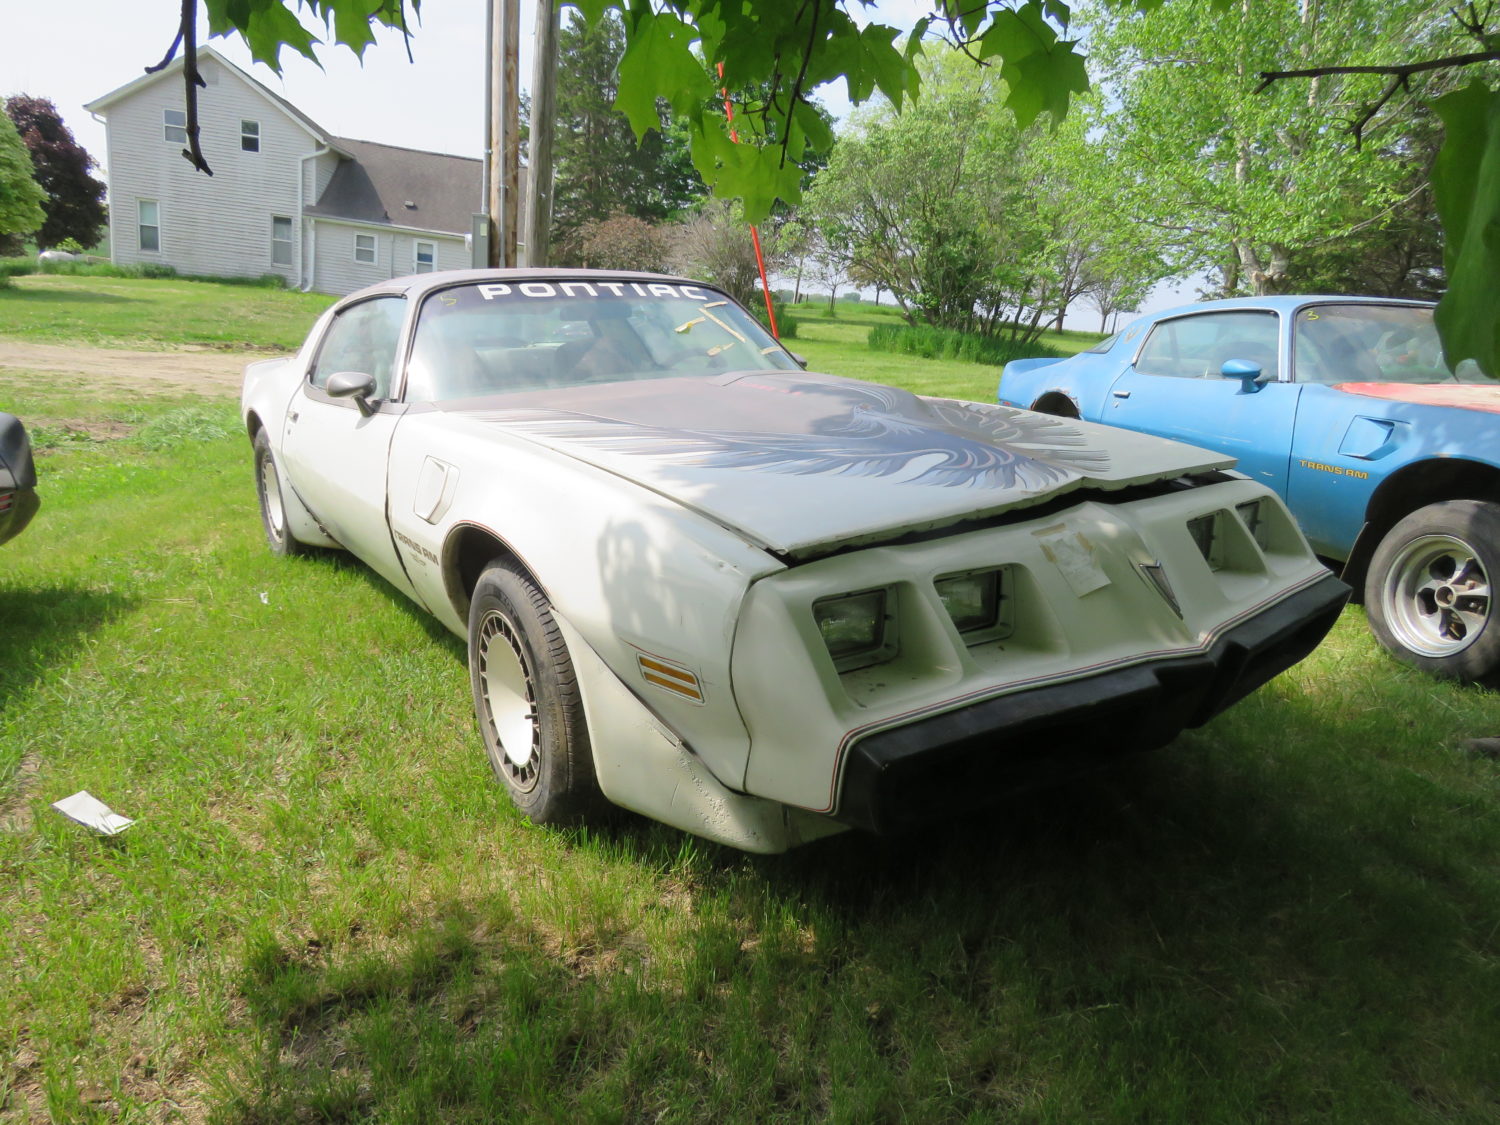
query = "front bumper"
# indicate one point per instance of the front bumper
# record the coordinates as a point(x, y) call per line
point(910, 774)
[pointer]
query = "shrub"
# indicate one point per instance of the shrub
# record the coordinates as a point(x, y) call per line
point(757, 307)
point(264, 281)
point(99, 268)
point(944, 343)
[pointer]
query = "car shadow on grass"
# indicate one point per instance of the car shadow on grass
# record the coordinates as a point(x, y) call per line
point(1242, 926)
point(41, 626)
point(1212, 932)
point(343, 562)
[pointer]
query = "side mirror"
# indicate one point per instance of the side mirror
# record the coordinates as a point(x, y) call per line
point(353, 384)
point(1246, 371)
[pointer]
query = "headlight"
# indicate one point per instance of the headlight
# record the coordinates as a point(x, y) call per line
point(1255, 523)
point(972, 600)
point(857, 628)
point(1205, 533)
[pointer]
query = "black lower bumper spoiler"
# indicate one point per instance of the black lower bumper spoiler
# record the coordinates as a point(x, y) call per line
point(908, 775)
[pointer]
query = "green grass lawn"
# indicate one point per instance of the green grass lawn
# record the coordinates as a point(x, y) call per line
point(328, 911)
point(129, 312)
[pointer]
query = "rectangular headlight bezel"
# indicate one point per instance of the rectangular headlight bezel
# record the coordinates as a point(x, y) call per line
point(1253, 515)
point(1208, 538)
point(994, 620)
point(854, 652)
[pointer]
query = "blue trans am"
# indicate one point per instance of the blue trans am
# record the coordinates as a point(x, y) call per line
point(1344, 406)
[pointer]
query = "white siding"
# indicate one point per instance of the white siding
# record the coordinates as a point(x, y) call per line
point(323, 169)
point(219, 224)
point(395, 254)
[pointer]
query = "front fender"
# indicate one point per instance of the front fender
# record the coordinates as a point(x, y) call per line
point(653, 587)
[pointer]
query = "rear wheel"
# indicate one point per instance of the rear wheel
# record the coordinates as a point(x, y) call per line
point(272, 505)
point(1427, 591)
point(527, 701)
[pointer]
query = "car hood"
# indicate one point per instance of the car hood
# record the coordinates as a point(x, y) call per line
point(1465, 396)
point(803, 464)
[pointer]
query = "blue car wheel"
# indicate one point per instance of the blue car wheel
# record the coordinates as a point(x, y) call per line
point(1428, 590)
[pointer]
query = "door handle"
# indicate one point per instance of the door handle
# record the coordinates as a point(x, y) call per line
point(1120, 394)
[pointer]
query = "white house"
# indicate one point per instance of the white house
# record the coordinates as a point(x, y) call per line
point(287, 198)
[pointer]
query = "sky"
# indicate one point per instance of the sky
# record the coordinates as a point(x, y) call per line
point(435, 102)
point(74, 51)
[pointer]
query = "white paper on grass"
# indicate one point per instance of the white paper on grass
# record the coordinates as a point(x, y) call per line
point(93, 813)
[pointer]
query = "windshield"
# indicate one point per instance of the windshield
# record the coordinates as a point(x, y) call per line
point(1374, 344)
point(497, 338)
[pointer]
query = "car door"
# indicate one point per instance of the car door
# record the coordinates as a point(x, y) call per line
point(1174, 389)
point(337, 454)
point(1346, 444)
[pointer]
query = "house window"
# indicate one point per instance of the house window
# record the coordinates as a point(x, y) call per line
point(281, 241)
point(426, 257)
point(364, 248)
point(149, 224)
point(174, 126)
point(250, 136)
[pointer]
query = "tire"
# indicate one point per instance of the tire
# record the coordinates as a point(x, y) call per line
point(527, 702)
point(272, 505)
point(1427, 591)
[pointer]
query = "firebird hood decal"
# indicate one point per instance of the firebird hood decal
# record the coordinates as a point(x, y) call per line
point(741, 448)
point(942, 443)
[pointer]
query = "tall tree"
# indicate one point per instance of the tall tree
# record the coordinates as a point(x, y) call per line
point(74, 206)
point(602, 170)
point(1243, 182)
point(969, 223)
point(21, 197)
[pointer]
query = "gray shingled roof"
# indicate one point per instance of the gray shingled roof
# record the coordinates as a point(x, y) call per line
point(380, 181)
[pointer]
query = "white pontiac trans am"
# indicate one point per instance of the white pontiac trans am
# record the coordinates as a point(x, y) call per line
point(757, 603)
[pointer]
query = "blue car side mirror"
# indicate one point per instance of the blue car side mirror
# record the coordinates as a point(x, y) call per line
point(1246, 371)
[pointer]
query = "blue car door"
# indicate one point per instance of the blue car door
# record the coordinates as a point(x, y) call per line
point(1174, 389)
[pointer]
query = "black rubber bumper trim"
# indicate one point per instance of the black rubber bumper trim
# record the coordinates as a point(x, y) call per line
point(909, 775)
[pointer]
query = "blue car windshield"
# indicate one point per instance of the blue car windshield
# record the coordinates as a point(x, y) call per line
point(500, 337)
point(1366, 343)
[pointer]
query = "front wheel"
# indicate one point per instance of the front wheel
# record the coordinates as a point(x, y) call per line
point(1427, 591)
point(527, 701)
point(272, 505)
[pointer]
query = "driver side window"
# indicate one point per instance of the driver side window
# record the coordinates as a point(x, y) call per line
point(1197, 347)
point(362, 338)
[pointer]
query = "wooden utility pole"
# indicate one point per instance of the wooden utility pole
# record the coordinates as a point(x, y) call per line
point(503, 112)
point(538, 231)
